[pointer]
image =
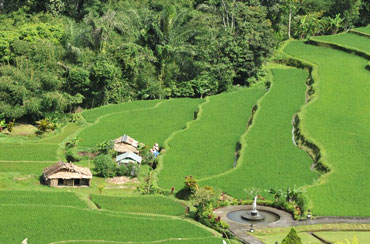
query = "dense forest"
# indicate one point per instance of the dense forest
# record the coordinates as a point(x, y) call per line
point(60, 55)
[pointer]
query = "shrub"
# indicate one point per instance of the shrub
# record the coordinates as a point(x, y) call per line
point(72, 155)
point(104, 166)
point(44, 125)
point(292, 238)
point(11, 125)
point(191, 184)
point(105, 147)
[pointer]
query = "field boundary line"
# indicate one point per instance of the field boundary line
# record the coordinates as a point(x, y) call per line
point(173, 134)
point(242, 141)
point(360, 33)
point(133, 242)
point(340, 47)
point(314, 73)
point(97, 120)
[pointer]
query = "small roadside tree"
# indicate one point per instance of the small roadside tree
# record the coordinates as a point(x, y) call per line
point(292, 238)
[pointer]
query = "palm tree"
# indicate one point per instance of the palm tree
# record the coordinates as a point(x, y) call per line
point(169, 37)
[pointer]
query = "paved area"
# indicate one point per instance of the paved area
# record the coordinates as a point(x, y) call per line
point(241, 230)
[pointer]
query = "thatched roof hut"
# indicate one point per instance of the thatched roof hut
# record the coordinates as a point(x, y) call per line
point(125, 144)
point(67, 174)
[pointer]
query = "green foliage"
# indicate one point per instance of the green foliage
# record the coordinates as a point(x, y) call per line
point(292, 238)
point(140, 204)
point(190, 184)
point(10, 125)
point(147, 186)
point(104, 166)
point(105, 147)
point(44, 125)
point(130, 169)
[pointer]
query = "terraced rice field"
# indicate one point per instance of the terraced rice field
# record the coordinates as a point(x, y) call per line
point(92, 115)
point(269, 157)
point(49, 217)
point(150, 125)
point(208, 146)
point(341, 236)
point(46, 224)
point(34, 149)
point(140, 204)
point(347, 40)
point(364, 29)
point(338, 121)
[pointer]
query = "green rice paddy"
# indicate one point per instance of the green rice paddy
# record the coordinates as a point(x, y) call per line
point(147, 126)
point(365, 29)
point(339, 120)
point(208, 146)
point(46, 224)
point(92, 115)
point(269, 157)
point(140, 204)
point(363, 237)
point(347, 40)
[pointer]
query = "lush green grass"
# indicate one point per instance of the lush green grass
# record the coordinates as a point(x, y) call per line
point(200, 240)
point(270, 159)
point(208, 146)
point(348, 39)
point(35, 168)
point(140, 204)
point(92, 115)
point(341, 236)
point(271, 239)
point(147, 126)
point(365, 29)
point(28, 151)
point(40, 198)
point(66, 132)
point(45, 224)
point(339, 122)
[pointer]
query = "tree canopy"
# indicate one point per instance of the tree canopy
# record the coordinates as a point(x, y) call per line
point(58, 55)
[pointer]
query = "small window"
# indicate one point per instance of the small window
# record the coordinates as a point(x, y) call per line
point(77, 182)
point(84, 182)
point(60, 182)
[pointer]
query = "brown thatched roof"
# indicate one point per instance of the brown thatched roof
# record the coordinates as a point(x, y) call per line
point(127, 140)
point(123, 148)
point(63, 170)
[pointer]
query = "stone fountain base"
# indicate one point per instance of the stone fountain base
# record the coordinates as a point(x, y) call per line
point(252, 215)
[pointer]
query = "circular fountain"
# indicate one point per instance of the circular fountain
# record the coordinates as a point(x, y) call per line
point(253, 216)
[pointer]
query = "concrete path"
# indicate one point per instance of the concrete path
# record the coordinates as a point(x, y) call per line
point(241, 230)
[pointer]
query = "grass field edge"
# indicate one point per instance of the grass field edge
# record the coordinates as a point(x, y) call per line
point(360, 33)
point(166, 146)
point(313, 70)
point(241, 141)
point(341, 47)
